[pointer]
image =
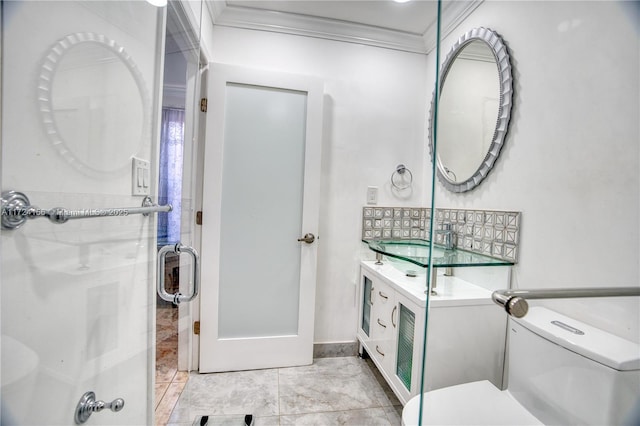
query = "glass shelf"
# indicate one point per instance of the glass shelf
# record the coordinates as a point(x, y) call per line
point(417, 252)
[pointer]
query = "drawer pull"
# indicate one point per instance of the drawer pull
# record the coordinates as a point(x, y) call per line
point(381, 323)
point(378, 350)
point(384, 296)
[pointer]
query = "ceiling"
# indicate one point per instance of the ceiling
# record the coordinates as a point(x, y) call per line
point(413, 17)
point(409, 26)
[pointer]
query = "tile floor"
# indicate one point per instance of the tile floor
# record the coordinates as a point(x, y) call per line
point(169, 381)
point(332, 391)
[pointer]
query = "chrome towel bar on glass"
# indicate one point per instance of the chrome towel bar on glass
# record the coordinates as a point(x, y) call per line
point(16, 209)
point(515, 301)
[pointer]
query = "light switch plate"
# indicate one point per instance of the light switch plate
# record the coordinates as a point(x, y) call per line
point(140, 172)
point(372, 195)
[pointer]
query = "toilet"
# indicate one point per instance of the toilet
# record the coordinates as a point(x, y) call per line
point(561, 372)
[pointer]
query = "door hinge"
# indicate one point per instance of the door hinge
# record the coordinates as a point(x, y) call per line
point(199, 217)
point(196, 327)
point(203, 104)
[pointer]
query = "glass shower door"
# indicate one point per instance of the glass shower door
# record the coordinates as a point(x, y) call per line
point(79, 99)
point(569, 164)
point(182, 118)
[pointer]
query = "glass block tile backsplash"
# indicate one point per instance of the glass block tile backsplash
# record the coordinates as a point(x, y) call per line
point(489, 232)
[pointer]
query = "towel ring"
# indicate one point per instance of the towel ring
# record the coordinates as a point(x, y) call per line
point(399, 174)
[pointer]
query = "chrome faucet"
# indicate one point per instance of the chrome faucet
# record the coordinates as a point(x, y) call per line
point(447, 233)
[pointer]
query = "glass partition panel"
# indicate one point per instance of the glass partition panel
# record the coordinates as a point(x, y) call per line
point(181, 141)
point(80, 89)
point(568, 165)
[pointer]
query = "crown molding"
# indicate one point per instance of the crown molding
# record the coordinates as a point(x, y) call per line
point(223, 14)
point(453, 13)
point(173, 95)
point(311, 26)
point(215, 8)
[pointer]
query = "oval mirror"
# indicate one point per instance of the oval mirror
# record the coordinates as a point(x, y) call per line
point(473, 110)
point(93, 103)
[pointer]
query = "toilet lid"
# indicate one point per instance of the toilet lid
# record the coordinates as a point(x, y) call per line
point(476, 403)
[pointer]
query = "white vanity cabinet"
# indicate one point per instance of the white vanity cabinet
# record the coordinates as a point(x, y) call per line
point(390, 325)
point(466, 340)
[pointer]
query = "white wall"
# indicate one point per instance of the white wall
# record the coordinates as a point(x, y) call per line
point(375, 111)
point(571, 159)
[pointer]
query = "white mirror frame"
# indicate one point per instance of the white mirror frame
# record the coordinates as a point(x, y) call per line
point(501, 54)
point(45, 85)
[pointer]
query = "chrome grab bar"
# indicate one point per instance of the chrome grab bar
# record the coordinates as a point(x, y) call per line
point(177, 298)
point(515, 301)
point(17, 209)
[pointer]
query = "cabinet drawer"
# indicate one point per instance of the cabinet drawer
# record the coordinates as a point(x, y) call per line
point(383, 297)
point(382, 352)
point(382, 325)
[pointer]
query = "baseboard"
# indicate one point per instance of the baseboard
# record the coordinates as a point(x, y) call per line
point(337, 349)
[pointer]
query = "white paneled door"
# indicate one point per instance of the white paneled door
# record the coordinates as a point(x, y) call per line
point(260, 219)
point(80, 90)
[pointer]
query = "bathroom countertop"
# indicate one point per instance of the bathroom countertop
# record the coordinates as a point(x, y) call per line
point(417, 252)
point(452, 291)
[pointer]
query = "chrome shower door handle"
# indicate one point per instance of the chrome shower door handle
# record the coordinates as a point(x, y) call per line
point(177, 298)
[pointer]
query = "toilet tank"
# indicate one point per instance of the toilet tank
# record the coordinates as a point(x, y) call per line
point(570, 373)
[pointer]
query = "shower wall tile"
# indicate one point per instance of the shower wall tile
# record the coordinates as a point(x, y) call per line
point(489, 232)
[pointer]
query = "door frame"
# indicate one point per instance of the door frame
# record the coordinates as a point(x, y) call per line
point(219, 75)
point(188, 340)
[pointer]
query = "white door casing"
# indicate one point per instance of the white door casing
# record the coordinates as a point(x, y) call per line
point(247, 351)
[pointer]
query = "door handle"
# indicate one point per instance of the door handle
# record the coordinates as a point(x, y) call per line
point(395, 309)
point(177, 298)
point(308, 238)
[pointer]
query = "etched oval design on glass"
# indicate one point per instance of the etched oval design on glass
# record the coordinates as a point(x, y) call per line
point(94, 103)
